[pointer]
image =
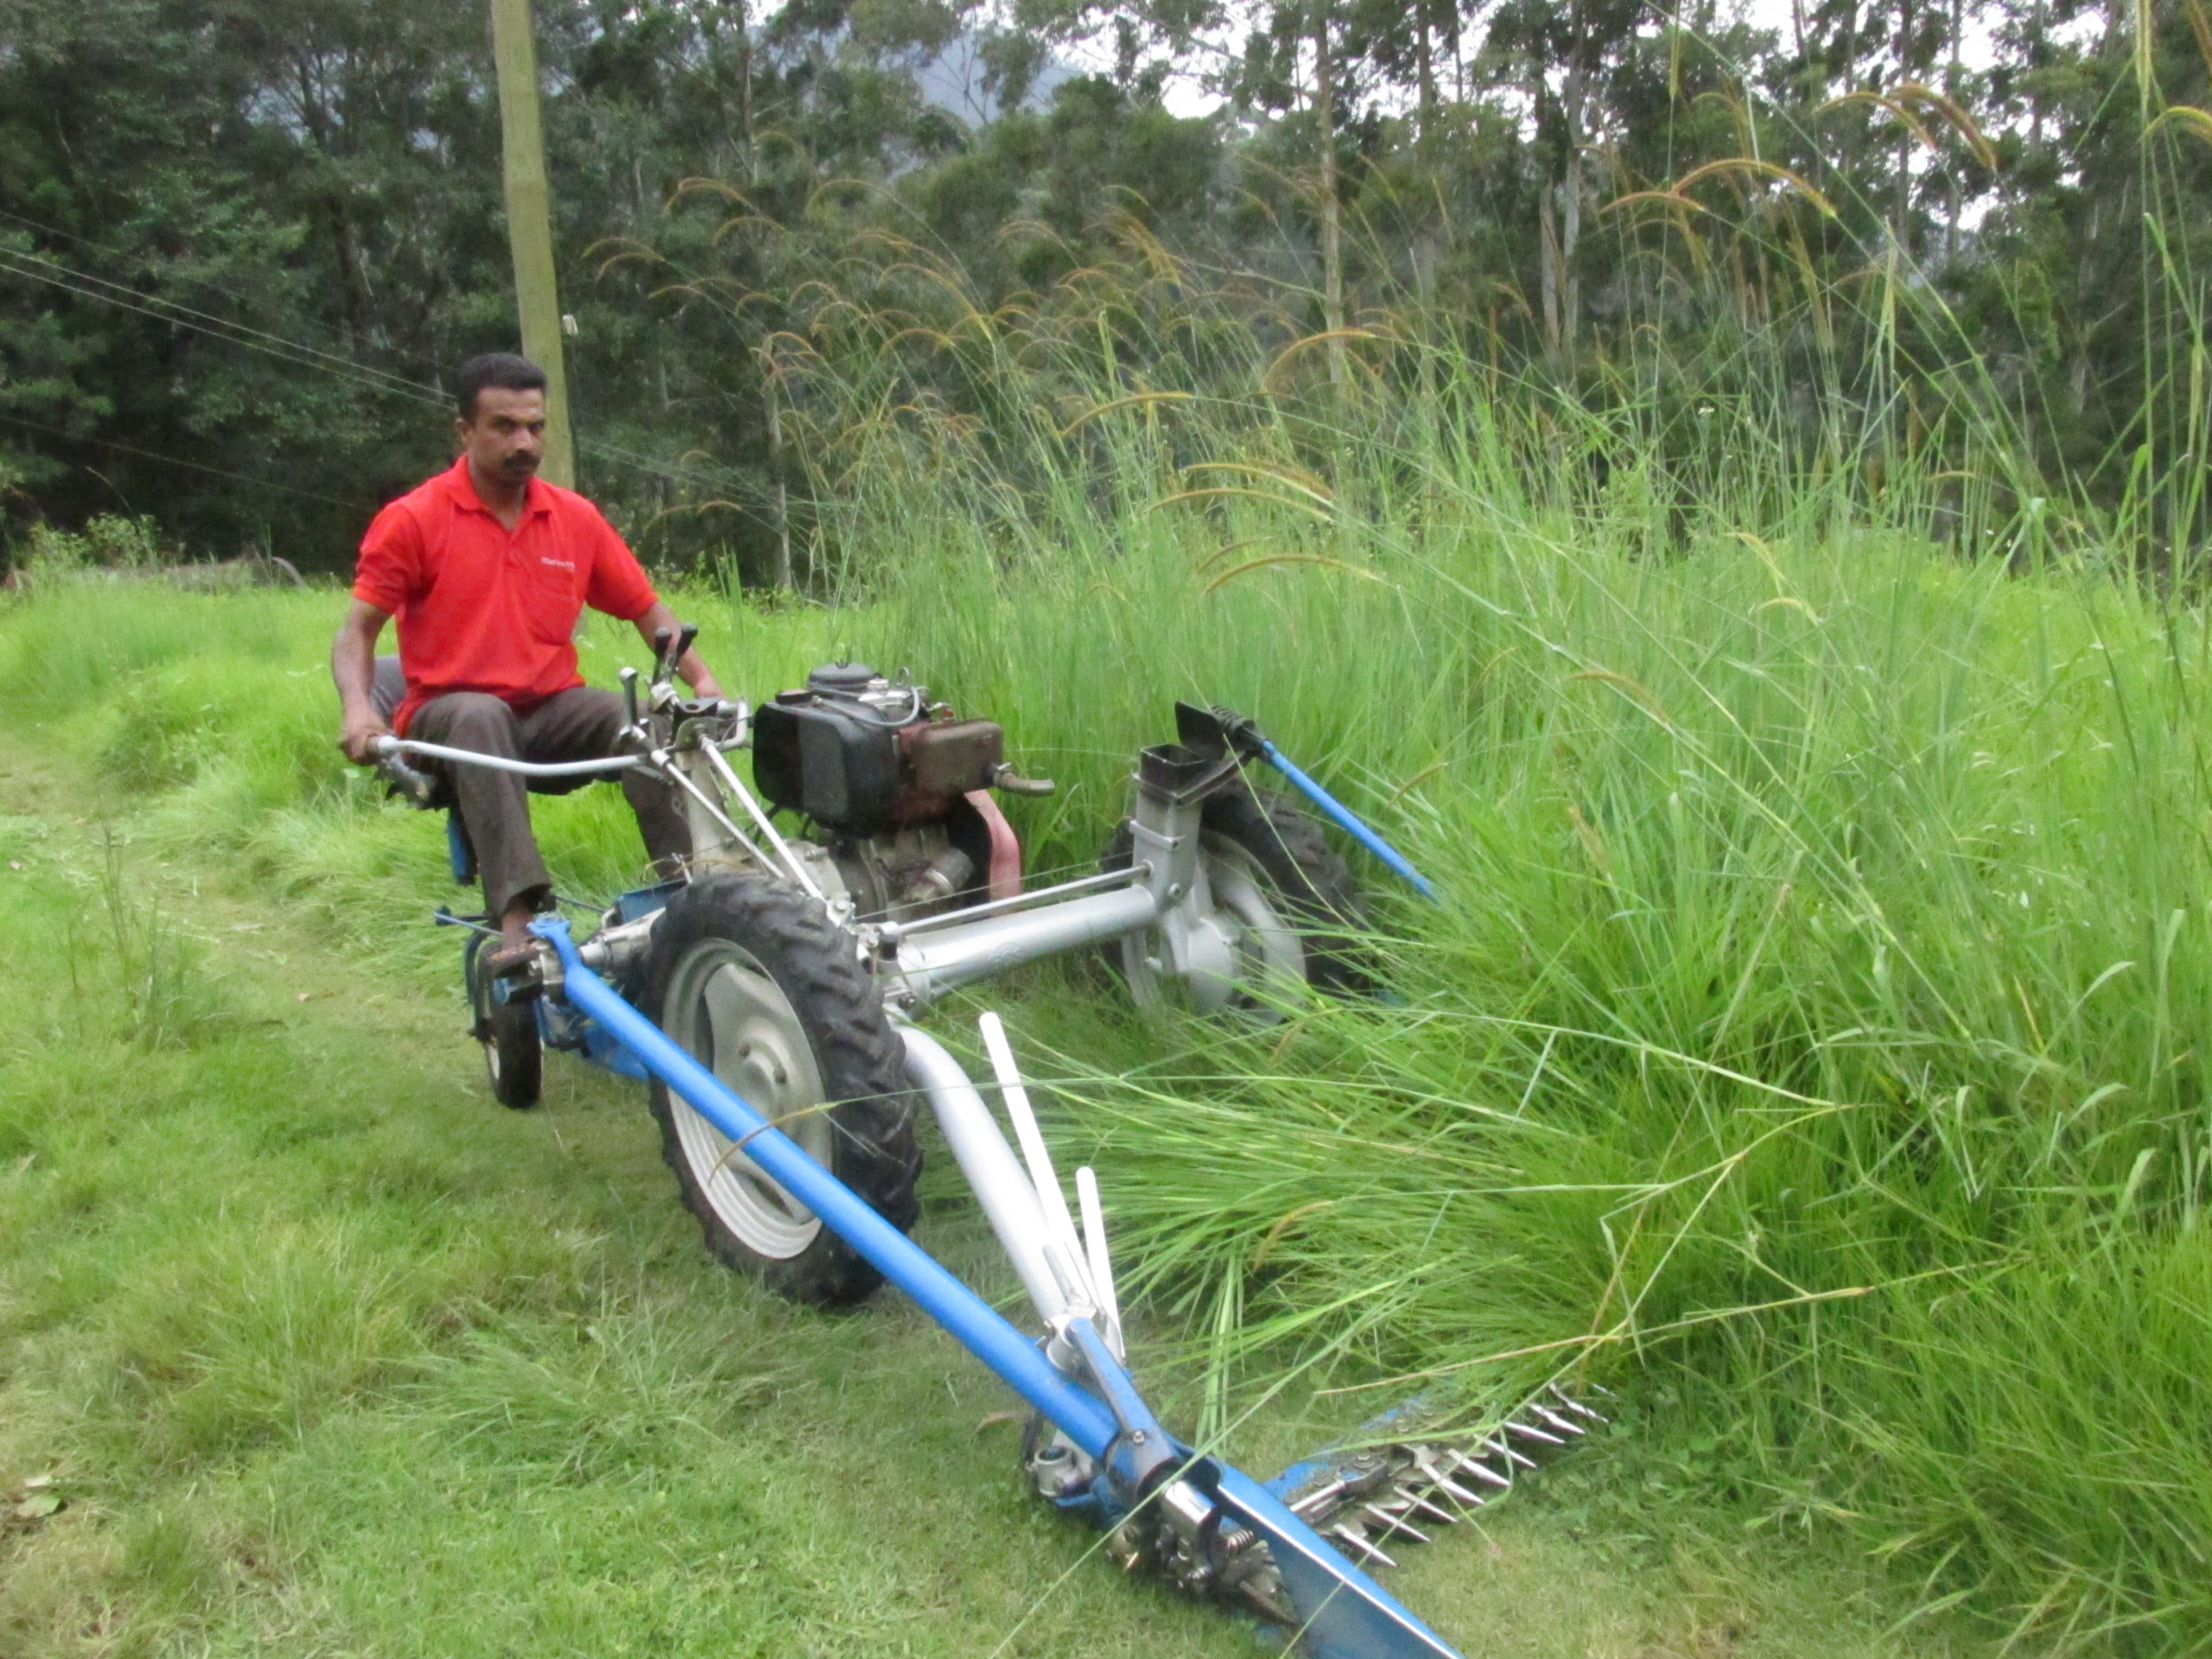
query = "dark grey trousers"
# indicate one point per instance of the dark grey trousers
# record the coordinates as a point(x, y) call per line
point(579, 724)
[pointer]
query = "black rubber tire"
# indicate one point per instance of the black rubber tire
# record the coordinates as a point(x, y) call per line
point(1306, 876)
point(514, 1058)
point(870, 1143)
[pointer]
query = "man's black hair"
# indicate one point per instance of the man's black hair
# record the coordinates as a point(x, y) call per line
point(502, 371)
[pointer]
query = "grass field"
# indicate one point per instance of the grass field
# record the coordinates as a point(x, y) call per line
point(324, 1353)
point(1806, 1048)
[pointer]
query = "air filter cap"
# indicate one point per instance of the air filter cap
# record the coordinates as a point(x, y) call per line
point(846, 679)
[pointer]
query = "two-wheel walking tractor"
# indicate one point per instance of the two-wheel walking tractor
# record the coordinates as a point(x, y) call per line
point(768, 997)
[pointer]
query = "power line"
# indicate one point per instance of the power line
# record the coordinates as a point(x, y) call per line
point(351, 364)
point(288, 351)
point(197, 282)
point(177, 461)
point(282, 356)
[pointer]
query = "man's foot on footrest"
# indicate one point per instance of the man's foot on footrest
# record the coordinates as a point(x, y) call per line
point(510, 961)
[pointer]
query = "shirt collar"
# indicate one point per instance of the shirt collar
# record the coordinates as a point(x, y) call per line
point(461, 489)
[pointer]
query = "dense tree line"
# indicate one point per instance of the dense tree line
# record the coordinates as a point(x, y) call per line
point(240, 245)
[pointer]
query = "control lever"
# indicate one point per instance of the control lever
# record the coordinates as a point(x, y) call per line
point(629, 678)
point(417, 789)
point(665, 657)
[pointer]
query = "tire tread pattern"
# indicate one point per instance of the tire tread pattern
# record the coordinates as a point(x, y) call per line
point(861, 1061)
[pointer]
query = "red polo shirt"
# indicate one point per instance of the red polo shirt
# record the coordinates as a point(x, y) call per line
point(484, 608)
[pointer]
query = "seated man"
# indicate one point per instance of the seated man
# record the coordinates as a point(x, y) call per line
point(487, 568)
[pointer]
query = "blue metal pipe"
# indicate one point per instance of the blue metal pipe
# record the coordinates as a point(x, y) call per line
point(1342, 1614)
point(975, 1323)
point(1344, 819)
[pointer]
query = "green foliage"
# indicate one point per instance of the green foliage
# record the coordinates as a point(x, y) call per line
point(235, 260)
point(108, 544)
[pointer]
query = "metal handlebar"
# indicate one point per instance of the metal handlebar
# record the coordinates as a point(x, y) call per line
point(390, 747)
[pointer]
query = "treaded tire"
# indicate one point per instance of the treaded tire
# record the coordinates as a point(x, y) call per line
point(514, 1058)
point(746, 962)
point(1306, 878)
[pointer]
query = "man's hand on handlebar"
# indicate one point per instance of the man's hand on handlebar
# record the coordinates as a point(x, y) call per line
point(660, 629)
point(357, 736)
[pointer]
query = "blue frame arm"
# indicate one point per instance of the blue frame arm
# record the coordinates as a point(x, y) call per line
point(1346, 820)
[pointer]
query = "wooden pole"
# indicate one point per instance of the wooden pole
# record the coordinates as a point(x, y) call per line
point(1332, 258)
point(530, 226)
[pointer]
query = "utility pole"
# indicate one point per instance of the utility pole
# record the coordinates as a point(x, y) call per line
point(530, 225)
point(1332, 258)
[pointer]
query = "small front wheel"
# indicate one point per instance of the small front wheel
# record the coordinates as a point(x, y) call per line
point(514, 1059)
point(754, 982)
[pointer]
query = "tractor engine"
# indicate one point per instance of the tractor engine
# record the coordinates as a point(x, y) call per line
point(898, 788)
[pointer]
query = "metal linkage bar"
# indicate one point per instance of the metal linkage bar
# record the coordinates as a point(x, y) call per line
point(743, 795)
point(892, 932)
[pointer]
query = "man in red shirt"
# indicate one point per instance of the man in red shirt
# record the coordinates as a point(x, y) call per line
point(487, 567)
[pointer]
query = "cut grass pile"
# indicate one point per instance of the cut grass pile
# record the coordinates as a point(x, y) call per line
point(1807, 1045)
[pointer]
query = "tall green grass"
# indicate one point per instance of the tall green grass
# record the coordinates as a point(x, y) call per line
point(1821, 807)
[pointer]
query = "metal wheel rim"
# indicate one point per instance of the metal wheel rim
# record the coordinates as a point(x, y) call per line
point(480, 988)
point(727, 1011)
point(1270, 956)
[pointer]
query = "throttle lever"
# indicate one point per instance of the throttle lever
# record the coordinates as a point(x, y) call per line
point(669, 649)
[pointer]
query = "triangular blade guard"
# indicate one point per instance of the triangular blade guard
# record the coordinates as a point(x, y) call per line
point(1341, 1614)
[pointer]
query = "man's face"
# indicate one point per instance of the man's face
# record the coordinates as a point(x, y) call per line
point(506, 440)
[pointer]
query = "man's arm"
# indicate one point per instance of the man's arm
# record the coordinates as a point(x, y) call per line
point(692, 670)
point(353, 670)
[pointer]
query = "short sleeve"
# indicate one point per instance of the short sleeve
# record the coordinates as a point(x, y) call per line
point(389, 567)
point(618, 583)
